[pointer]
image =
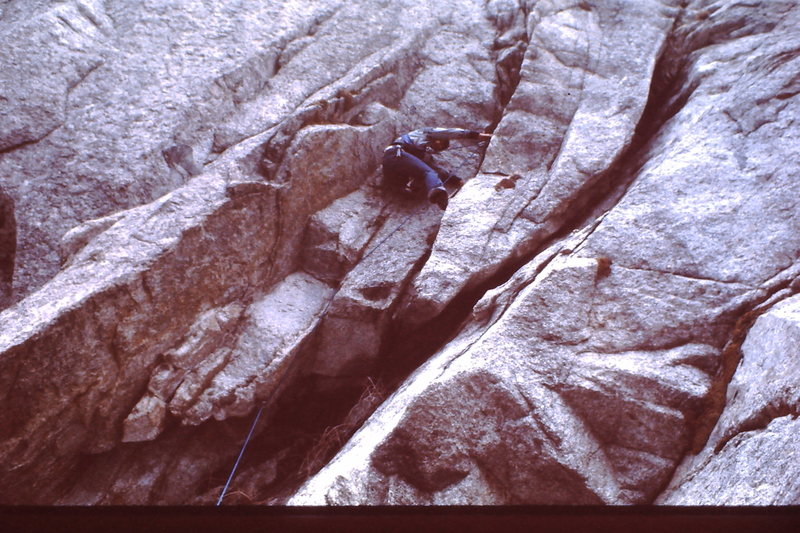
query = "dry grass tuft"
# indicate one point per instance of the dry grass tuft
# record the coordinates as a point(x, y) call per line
point(334, 437)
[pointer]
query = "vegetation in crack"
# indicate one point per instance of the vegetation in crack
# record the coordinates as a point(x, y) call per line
point(300, 432)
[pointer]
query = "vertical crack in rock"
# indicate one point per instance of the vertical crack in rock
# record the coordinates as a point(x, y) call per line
point(782, 286)
point(194, 407)
point(508, 49)
point(366, 139)
point(370, 298)
point(335, 364)
point(667, 96)
point(706, 296)
point(588, 208)
point(8, 247)
point(746, 458)
point(444, 327)
point(510, 230)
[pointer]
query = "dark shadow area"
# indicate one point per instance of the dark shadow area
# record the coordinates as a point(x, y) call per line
point(390, 519)
point(8, 248)
point(297, 435)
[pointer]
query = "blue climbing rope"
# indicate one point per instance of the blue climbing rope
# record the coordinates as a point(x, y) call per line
point(241, 453)
point(324, 312)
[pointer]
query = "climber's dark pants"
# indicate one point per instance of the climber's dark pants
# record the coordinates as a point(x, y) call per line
point(398, 168)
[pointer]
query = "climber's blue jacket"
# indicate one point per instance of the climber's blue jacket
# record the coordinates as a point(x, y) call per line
point(419, 142)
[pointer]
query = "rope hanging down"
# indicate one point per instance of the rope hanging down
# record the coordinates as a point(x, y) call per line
point(261, 407)
point(241, 453)
point(322, 315)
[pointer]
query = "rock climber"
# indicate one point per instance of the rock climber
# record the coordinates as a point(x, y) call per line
point(409, 158)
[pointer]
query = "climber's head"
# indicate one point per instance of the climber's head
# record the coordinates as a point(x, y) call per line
point(439, 144)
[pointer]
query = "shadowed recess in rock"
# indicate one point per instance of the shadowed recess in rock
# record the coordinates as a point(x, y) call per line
point(8, 247)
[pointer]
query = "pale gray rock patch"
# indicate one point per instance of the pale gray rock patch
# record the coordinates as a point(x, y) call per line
point(749, 459)
point(755, 467)
point(106, 88)
point(571, 116)
point(181, 367)
point(45, 57)
point(78, 237)
point(336, 236)
point(352, 331)
point(274, 332)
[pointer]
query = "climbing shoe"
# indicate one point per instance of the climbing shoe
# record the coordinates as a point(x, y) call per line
point(439, 197)
point(455, 182)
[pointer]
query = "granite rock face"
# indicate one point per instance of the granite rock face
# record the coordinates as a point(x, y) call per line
point(194, 236)
point(749, 458)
